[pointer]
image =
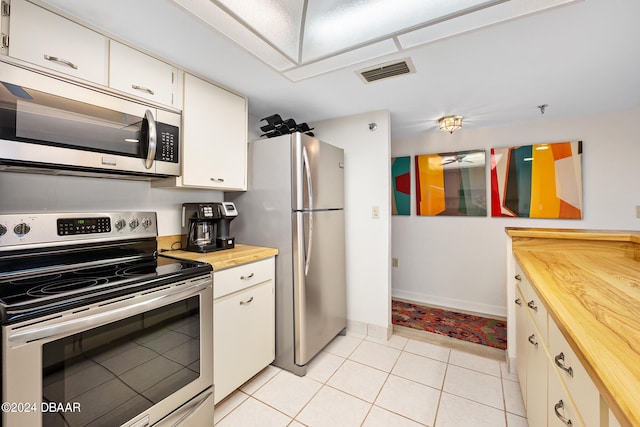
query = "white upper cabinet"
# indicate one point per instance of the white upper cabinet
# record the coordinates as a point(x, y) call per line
point(214, 138)
point(44, 38)
point(134, 72)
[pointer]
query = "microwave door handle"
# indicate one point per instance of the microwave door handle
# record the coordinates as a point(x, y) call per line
point(151, 139)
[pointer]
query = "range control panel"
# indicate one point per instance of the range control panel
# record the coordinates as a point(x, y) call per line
point(68, 226)
point(49, 229)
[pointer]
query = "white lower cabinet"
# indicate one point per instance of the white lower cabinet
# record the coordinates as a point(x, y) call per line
point(537, 363)
point(556, 389)
point(244, 324)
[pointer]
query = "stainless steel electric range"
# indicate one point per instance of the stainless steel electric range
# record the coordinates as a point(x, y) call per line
point(99, 329)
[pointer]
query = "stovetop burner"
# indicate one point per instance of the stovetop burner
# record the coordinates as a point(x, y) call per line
point(18, 291)
point(51, 262)
point(38, 295)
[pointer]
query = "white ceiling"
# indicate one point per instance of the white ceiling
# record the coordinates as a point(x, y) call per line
point(579, 58)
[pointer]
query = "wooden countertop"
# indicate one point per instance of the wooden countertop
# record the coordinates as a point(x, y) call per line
point(590, 283)
point(240, 254)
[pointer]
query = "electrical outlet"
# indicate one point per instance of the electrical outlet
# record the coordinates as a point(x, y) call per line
point(637, 211)
point(394, 262)
point(375, 212)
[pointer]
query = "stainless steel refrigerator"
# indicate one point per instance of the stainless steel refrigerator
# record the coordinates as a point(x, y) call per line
point(295, 202)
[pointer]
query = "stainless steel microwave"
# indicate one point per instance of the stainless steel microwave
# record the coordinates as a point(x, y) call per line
point(50, 124)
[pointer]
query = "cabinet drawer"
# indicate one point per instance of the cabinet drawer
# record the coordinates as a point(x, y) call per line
point(241, 277)
point(560, 409)
point(575, 377)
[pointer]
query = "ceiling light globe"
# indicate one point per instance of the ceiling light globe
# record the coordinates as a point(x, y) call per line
point(450, 123)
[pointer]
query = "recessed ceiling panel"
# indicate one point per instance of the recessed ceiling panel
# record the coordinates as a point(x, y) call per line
point(279, 22)
point(336, 25)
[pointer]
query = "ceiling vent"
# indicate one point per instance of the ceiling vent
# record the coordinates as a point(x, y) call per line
point(387, 70)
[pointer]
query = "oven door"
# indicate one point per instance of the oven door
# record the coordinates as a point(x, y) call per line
point(135, 360)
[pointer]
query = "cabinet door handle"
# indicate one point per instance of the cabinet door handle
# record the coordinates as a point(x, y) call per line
point(532, 305)
point(518, 301)
point(532, 340)
point(216, 179)
point(518, 277)
point(246, 277)
point(246, 302)
point(558, 406)
point(143, 89)
point(560, 363)
point(60, 61)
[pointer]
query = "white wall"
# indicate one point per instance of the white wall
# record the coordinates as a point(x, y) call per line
point(368, 240)
point(459, 262)
point(22, 193)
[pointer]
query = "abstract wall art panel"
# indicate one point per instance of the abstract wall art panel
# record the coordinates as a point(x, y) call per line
point(537, 181)
point(401, 185)
point(451, 184)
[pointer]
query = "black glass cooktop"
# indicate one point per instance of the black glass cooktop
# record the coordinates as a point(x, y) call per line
point(51, 282)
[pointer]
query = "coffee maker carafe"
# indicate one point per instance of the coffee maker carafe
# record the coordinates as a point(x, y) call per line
point(205, 226)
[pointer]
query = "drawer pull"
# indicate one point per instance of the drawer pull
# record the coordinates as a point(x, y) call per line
point(143, 89)
point(532, 340)
point(518, 277)
point(61, 61)
point(558, 406)
point(532, 305)
point(560, 362)
point(246, 302)
point(518, 301)
point(246, 277)
point(216, 179)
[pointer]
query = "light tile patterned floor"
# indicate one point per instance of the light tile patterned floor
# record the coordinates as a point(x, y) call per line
point(359, 381)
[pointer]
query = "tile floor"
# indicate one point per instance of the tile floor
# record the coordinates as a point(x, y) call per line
point(359, 381)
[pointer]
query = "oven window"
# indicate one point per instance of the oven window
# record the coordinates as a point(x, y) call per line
point(116, 371)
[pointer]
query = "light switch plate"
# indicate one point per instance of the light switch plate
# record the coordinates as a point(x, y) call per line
point(375, 212)
point(637, 211)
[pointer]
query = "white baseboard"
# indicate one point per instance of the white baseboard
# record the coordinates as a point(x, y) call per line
point(366, 329)
point(492, 310)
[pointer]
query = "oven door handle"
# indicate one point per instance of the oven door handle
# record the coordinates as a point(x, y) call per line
point(191, 411)
point(87, 322)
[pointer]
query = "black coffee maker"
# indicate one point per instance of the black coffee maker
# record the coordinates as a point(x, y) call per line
point(205, 226)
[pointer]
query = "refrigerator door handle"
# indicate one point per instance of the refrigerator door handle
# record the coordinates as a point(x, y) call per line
point(308, 255)
point(307, 169)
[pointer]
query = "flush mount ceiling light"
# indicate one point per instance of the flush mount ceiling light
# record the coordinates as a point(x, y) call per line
point(450, 123)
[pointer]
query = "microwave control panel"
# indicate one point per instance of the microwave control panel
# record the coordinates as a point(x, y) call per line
point(168, 138)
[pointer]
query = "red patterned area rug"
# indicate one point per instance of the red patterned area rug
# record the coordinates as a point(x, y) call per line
point(466, 327)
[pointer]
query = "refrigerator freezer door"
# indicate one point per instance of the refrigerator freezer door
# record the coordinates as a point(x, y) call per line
point(319, 280)
point(318, 174)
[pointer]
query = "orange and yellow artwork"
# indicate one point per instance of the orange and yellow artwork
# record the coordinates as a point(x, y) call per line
point(451, 184)
point(537, 181)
